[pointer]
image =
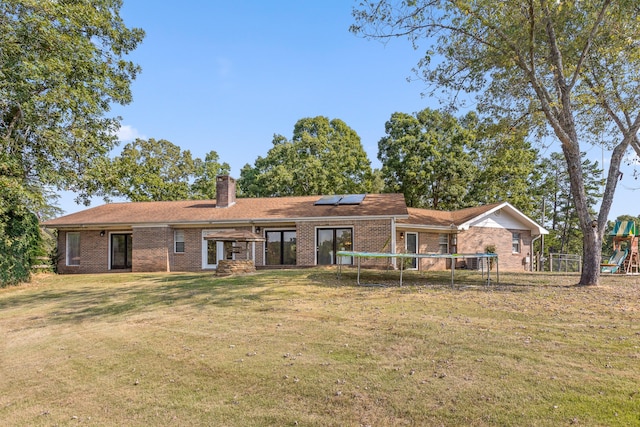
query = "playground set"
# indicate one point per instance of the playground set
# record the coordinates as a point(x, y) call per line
point(625, 258)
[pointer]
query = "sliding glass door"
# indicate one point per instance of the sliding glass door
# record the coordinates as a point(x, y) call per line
point(280, 247)
point(332, 240)
point(121, 249)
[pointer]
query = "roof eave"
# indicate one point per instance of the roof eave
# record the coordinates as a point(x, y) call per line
point(249, 221)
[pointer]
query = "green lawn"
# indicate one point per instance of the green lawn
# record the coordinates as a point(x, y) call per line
point(299, 347)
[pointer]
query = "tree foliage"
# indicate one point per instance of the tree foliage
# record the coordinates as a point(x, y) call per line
point(62, 64)
point(441, 162)
point(19, 234)
point(323, 157)
point(160, 170)
point(567, 66)
point(205, 172)
point(426, 157)
point(508, 168)
point(565, 235)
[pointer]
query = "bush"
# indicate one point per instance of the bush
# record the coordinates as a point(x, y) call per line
point(20, 242)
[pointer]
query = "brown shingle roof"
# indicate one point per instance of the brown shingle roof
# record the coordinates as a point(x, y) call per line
point(248, 209)
point(437, 218)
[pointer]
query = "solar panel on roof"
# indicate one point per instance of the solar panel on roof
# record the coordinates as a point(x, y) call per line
point(329, 200)
point(351, 199)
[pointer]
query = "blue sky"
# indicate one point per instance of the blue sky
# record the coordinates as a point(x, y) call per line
point(228, 75)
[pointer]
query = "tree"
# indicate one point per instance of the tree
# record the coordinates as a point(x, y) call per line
point(62, 66)
point(566, 66)
point(323, 157)
point(205, 172)
point(426, 157)
point(565, 235)
point(507, 168)
point(160, 170)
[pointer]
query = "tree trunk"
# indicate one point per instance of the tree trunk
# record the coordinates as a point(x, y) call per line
point(592, 253)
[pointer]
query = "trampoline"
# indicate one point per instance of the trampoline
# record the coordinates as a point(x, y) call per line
point(359, 255)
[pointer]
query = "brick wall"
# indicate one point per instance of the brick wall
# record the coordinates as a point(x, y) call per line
point(477, 238)
point(428, 243)
point(368, 236)
point(151, 249)
point(191, 258)
point(94, 253)
point(473, 240)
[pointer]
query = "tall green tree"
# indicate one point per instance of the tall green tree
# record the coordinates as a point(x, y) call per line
point(569, 66)
point(62, 66)
point(426, 157)
point(507, 167)
point(323, 157)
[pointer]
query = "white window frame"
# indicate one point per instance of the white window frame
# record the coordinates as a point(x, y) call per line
point(178, 237)
point(443, 240)
point(516, 242)
point(68, 254)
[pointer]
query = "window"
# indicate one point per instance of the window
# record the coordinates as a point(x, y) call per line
point(332, 240)
point(73, 249)
point(178, 238)
point(443, 244)
point(280, 248)
point(515, 243)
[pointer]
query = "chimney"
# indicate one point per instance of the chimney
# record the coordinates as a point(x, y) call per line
point(225, 191)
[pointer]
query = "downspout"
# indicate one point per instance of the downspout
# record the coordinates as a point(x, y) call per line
point(253, 247)
point(531, 250)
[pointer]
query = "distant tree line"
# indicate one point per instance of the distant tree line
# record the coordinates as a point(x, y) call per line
point(436, 160)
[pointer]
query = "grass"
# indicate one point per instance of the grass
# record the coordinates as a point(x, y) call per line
point(299, 347)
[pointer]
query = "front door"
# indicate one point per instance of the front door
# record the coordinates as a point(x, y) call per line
point(121, 249)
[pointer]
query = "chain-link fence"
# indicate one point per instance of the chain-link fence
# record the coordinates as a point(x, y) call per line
point(565, 263)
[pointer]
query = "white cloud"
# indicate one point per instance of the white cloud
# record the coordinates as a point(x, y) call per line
point(128, 133)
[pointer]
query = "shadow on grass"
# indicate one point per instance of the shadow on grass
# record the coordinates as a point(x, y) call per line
point(463, 280)
point(138, 294)
point(109, 297)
